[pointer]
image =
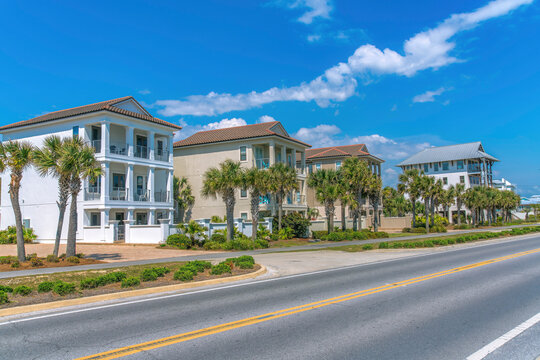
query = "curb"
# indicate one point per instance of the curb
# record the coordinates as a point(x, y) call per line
point(126, 294)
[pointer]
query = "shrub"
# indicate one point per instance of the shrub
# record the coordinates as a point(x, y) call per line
point(9, 236)
point(245, 265)
point(428, 243)
point(263, 233)
point(443, 242)
point(80, 255)
point(52, 258)
point(15, 264)
point(285, 233)
point(7, 259)
point(5, 288)
point(180, 241)
point(221, 268)
point(462, 227)
point(217, 219)
point(130, 282)
point(161, 271)
point(45, 286)
point(383, 245)
point(408, 245)
point(261, 244)
point(184, 275)
point(397, 245)
point(367, 247)
point(148, 275)
point(35, 262)
point(3, 297)
point(117, 275)
point(419, 230)
point(318, 234)
point(218, 238)
point(406, 230)
point(63, 288)
point(212, 245)
point(73, 260)
point(418, 244)
point(244, 244)
point(244, 258)
point(438, 229)
point(197, 265)
point(297, 223)
point(22, 290)
point(451, 241)
point(30, 256)
point(88, 283)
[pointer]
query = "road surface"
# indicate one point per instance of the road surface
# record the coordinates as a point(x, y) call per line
point(439, 306)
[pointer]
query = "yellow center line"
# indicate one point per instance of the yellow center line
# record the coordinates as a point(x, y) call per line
point(132, 349)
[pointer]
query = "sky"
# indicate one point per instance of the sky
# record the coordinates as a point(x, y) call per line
point(398, 77)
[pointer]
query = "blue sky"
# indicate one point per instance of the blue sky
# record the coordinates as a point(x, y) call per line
point(453, 71)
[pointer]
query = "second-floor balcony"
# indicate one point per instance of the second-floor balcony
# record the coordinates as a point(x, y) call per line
point(118, 193)
point(118, 149)
point(262, 163)
point(161, 196)
point(92, 193)
point(161, 155)
point(141, 151)
point(474, 168)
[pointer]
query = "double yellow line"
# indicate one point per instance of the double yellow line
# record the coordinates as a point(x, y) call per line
point(175, 339)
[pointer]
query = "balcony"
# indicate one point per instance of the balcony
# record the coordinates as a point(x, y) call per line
point(118, 193)
point(96, 144)
point(92, 193)
point(262, 163)
point(142, 195)
point(474, 168)
point(161, 196)
point(141, 152)
point(118, 148)
point(161, 155)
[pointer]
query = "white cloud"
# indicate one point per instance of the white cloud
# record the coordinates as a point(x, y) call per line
point(429, 49)
point(314, 9)
point(319, 136)
point(428, 96)
point(266, 118)
point(144, 92)
point(188, 130)
point(313, 37)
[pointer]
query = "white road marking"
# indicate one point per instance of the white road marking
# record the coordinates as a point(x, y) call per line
point(497, 343)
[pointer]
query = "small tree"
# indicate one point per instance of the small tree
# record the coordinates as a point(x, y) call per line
point(16, 157)
point(409, 183)
point(326, 184)
point(183, 197)
point(459, 194)
point(223, 181)
point(356, 172)
point(257, 182)
point(373, 190)
point(283, 180)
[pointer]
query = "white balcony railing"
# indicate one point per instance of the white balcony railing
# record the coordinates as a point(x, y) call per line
point(161, 196)
point(161, 155)
point(96, 144)
point(262, 163)
point(118, 193)
point(118, 148)
point(142, 195)
point(92, 193)
point(141, 152)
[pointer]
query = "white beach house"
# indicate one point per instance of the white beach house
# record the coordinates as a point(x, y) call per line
point(131, 202)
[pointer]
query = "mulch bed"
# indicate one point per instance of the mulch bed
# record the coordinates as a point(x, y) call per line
point(27, 265)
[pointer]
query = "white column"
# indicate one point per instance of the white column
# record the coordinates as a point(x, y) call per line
point(272, 151)
point(303, 161)
point(284, 154)
point(105, 130)
point(151, 136)
point(170, 183)
point(105, 181)
point(151, 171)
point(152, 217)
point(129, 178)
point(129, 140)
point(171, 148)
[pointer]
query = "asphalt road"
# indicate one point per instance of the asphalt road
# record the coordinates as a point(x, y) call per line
point(220, 255)
point(447, 315)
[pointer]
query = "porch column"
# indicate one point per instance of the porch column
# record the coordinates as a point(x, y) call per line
point(129, 176)
point(105, 222)
point(284, 154)
point(151, 136)
point(129, 140)
point(152, 217)
point(171, 149)
point(105, 130)
point(150, 186)
point(272, 152)
point(379, 169)
point(303, 161)
point(105, 181)
point(170, 183)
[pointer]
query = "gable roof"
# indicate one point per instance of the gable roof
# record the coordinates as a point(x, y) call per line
point(339, 151)
point(108, 105)
point(473, 150)
point(273, 128)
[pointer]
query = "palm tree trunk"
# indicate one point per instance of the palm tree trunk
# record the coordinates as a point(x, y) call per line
point(14, 196)
point(458, 213)
point(254, 216)
point(229, 210)
point(376, 217)
point(72, 228)
point(432, 212)
point(359, 212)
point(279, 199)
point(343, 220)
point(426, 206)
point(61, 214)
point(330, 215)
point(413, 213)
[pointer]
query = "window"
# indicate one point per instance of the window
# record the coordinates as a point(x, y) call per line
point(445, 165)
point(426, 168)
point(141, 219)
point(445, 180)
point(310, 168)
point(243, 153)
point(462, 179)
point(436, 166)
point(160, 147)
point(460, 164)
point(243, 193)
point(95, 219)
point(26, 223)
point(75, 131)
point(119, 181)
point(338, 165)
point(243, 215)
point(318, 166)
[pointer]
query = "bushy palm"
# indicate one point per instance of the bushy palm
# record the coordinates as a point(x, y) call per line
point(183, 197)
point(326, 184)
point(459, 195)
point(77, 159)
point(257, 182)
point(426, 189)
point(47, 162)
point(409, 183)
point(283, 180)
point(373, 191)
point(223, 181)
point(16, 156)
point(355, 172)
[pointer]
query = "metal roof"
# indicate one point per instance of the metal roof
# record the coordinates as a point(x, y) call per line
point(472, 150)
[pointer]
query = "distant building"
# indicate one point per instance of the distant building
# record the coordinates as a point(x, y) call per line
point(333, 158)
point(504, 184)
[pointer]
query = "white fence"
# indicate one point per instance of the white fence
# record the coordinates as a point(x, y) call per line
point(243, 226)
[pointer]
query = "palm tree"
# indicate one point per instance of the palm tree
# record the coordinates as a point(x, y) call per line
point(426, 186)
point(409, 183)
point(17, 157)
point(355, 173)
point(223, 181)
point(77, 159)
point(472, 202)
point(459, 194)
point(183, 197)
point(437, 195)
point(47, 162)
point(257, 182)
point(345, 198)
point(326, 184)
point(282, 181)
point(373, 191)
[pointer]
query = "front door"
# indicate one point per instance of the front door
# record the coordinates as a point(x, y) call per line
point(121, 235)
point(142, 219)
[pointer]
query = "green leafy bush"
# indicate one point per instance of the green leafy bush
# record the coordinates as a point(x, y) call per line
point(6, 288)
point(9, 236)
point(148, 275)
point(7, 259)
point(180, 241)
point(45, 286)
point(261, 244)
point(15, 264)
point(406, 230)
point(3, 298)
point(73, 260)
point(184, 274)
point(30, 256)
point(437, 229)
point(264, 233)
point(63, 288)
point(197, 266)
point(318, 234)
point(161, 271)
point(110, 278)
point(383, 245)
point(212, 245)
point(22, 290)
point(35, 262)
point(221, 268)
point(367, 247)
point(419, 230)
point(285, 233)
point(218, 238)
point(52, 258)
point(298, 224)
point(130, 282)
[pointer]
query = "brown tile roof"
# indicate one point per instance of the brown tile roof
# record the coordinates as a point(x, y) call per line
point(237, 133)
point(337, 151)
point(100, 106)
